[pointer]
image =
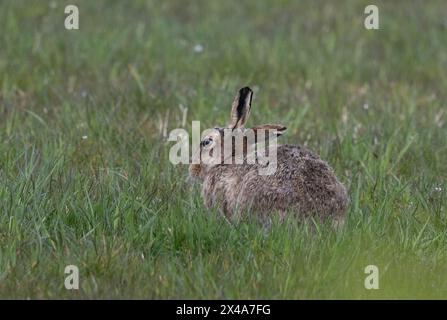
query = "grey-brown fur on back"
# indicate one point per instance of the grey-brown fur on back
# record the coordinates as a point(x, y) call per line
point(303, 184)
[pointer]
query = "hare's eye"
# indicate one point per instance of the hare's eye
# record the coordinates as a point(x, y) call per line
point(206, 142)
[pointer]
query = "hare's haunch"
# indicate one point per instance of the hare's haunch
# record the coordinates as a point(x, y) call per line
point(301, 183)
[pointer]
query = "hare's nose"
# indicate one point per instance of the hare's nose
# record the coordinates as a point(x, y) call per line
point(195, 158)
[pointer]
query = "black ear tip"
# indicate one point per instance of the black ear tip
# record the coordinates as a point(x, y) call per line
point(245, 90)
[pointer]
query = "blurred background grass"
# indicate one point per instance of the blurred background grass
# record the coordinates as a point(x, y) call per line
point(84, 171)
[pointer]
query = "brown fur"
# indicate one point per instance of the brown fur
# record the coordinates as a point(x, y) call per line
point(302, 184)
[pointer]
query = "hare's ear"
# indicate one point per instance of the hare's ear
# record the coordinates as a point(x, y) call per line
point(241, 108)
point(276, 129)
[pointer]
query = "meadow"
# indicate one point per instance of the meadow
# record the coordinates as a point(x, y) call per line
point(85, 177)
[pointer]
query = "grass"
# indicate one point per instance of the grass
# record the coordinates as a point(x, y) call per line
point(84, 172)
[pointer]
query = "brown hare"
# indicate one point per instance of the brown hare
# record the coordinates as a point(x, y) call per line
point(302, 183)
